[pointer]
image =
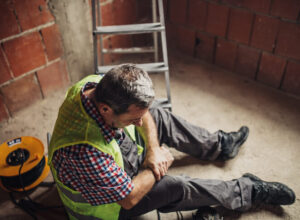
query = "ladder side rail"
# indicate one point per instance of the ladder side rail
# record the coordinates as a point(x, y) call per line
point(154, 19)
point(163, 32)
point(164, 48)
point(95, 42)
point(100, 37)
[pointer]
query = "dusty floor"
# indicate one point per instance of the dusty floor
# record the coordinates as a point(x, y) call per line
point(211, 98)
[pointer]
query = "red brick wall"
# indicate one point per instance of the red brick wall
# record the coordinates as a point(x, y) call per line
point(31, 63)
point(118, 12)
point(256, 38)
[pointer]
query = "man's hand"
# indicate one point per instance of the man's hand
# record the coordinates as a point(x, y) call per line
point(159, 160)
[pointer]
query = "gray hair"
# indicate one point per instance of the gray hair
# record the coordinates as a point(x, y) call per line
point(123, 86)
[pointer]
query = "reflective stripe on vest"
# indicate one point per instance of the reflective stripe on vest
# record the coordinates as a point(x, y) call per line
point(74, 197)
point(74, 201)
point(73, 215)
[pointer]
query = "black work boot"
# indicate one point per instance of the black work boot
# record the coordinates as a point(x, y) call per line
point(231, 142)
point(271, 193)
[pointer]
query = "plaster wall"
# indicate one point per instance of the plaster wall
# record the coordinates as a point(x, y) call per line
point(75, 25)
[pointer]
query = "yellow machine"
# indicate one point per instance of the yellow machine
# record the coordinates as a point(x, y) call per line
point(23, 165)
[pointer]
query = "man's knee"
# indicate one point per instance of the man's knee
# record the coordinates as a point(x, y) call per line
point(158, 114)
point(175, 187)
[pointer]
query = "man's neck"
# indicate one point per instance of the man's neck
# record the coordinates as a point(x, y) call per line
point(90, 93)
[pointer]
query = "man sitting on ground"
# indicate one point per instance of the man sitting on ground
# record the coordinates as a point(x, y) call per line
point(107, 158)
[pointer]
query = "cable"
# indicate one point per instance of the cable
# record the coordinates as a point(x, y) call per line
point(29, 206)
point(27, 178)
point(179, 215)
point(158, 215)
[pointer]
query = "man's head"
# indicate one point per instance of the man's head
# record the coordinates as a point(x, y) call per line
point(125, 89)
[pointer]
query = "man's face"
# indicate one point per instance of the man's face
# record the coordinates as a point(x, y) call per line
point(133, 116)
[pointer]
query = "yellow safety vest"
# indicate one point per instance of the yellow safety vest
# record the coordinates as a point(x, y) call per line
point(75, 126)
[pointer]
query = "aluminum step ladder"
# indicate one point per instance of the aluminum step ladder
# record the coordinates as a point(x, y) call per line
point(155, 28)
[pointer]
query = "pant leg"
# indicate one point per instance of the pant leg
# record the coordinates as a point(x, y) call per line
point(180, 193)
point(185, 137)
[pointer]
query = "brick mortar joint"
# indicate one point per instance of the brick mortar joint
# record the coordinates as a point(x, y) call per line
point(36, 29)
point(6, 61)
point(44, 46)
point(31, 72)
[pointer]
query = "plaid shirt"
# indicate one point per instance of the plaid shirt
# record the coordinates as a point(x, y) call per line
point(91, 172)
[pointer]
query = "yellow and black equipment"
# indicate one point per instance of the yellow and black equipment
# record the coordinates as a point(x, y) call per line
point(23, 165)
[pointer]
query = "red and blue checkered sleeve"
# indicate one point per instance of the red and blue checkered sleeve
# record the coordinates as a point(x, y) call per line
point(94, 174)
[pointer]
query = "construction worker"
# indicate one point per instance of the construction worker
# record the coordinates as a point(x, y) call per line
point(107, 158)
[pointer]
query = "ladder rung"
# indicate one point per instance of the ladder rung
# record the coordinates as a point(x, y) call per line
point(149, 67)
point(130, 50)
point(129, 28)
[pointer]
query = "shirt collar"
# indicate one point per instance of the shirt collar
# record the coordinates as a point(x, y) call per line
point(91, 109)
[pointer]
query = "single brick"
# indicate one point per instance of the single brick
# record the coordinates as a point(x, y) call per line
point(217, 17)
point(25, 53)
point(247, 61)
point(52, 40)
point(32, 13)
point(8, 21)
point(178, 11)
point(291, 81)
point(3, 112)
point(226, 54)
point(186, 40)
point(264, 32)
point(21, 93)
point(205, 47)
point(240, 24)
point(107, 15)
point(197, 14)
point(258, 5)
point(4, 69)
point(271, 69)
point(288, 40)
point(53, 77)
point(286, 9)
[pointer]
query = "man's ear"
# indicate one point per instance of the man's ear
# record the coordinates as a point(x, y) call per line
point(105, 109)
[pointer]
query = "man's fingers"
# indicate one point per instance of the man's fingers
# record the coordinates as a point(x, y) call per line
point(162, 171)
point(156, 173)
point(159, 162)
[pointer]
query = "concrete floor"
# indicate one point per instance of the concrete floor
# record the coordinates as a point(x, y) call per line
point(211, 98)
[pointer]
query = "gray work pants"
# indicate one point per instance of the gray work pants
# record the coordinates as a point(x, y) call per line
point(179, 193)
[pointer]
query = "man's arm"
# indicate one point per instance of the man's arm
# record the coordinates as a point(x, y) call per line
point(143, 183)
point(155, 160)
